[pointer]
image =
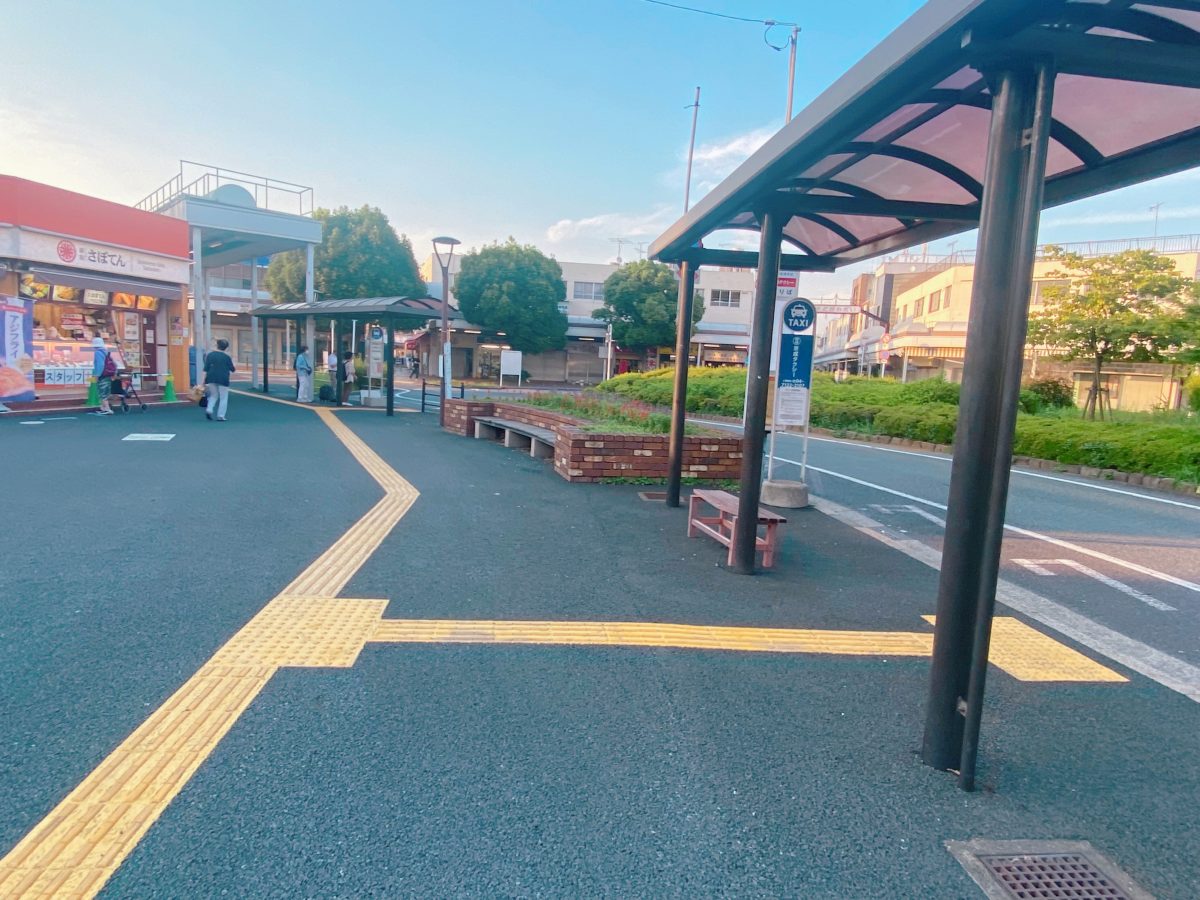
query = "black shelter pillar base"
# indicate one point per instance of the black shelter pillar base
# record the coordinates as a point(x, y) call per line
point(683, 342)
point(1012, 199)
point(757, 374)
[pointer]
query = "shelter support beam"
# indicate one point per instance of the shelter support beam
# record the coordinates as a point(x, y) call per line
point(266, 354)
point(758, 374)
point(683, 342)
point(1012, 199)
point(198, 340)
point(748, 259)
point(255, 352)
point(310, 335)
point(389, 360)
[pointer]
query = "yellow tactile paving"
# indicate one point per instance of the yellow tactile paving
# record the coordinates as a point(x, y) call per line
point(77, 847)
point(1028, 655)
point(1023, 652)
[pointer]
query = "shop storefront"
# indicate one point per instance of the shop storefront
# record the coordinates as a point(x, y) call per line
point(76, 268)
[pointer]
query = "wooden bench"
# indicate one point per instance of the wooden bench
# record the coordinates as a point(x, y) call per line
point(538, 441)
point(720, 527)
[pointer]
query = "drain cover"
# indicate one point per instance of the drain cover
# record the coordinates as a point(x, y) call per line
point(1044, 870)
point(653, 496)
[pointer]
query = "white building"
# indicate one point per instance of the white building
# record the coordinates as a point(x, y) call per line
point(721, 338)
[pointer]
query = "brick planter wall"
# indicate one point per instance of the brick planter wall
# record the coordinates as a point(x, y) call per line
point(587, 456)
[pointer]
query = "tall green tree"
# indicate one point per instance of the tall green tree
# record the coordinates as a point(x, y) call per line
point(360, 255)
point(1128, 307)
point(514, 288)
point(641, 301)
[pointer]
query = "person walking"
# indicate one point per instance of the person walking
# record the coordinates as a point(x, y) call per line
point(218, 366)
point(349, 376)
point(304, 376)
point(104, 367)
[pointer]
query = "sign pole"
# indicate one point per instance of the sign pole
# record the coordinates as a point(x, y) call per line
point(793, 390)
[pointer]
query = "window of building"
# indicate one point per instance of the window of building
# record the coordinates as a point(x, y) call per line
point(1040, 289)
point(732, 299)
point(588, 290)
point(935, 301)
point(946, 297)
point(918, 307)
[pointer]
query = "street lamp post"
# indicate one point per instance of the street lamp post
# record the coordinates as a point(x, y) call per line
point(445, 245)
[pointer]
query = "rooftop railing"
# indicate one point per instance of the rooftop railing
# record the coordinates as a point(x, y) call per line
point(199, 180)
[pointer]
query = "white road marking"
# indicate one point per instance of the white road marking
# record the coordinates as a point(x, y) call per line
point(1121, 586)
point(1034, 567)
point(147, 437)
point(946, 459)
point(32, 422)
point(1067, 545)
point(1161, 667)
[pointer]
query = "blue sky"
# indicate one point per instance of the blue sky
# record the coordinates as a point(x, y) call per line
point(560, 123)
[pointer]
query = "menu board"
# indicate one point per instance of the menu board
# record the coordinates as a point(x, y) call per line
point(149, 304)
point(66, 294)
point(123, 300)
point(32, 288)
point(95, 298)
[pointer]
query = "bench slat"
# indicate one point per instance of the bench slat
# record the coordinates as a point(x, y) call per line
point(542, 434)
point(728, 503)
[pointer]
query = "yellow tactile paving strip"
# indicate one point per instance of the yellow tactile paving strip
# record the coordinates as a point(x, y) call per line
point(1023, 652)
point(78, 846)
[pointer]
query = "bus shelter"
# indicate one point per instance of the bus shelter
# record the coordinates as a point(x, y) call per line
point(391, 313)
point(973, 113)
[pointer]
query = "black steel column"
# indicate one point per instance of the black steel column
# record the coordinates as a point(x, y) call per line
point(683, 342)
point(758, 374)
point(1012, 199)
point(390, 349)
point(266, 354)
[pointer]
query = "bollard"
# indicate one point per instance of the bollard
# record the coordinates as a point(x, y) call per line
point(169, 389)
point(422, 395)
point(93, 397)
point(462, 390)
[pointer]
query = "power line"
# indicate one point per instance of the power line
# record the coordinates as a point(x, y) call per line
point(709, 12)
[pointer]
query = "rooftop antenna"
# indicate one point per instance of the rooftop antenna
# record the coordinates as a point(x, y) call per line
point(687, 188)
point(640, 247)
point(620, 242)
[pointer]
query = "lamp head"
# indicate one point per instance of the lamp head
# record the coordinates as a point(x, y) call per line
point(446, 245)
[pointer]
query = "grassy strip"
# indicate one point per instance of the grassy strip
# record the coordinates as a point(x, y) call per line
point(602, 415)
point(1165, 444)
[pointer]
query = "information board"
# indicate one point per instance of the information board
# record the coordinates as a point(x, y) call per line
point(797, 327)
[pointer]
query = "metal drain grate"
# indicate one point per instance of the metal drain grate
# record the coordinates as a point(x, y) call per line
point(1055, 875)
point(653, 496)
point(1044, 870)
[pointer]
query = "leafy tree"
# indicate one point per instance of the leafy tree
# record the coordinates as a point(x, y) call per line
point(1129, 307)
point(641, 301)
point(514, 288)
point(360, 255)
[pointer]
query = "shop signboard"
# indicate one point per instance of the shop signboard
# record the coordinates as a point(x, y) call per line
point(785, 286)
point(16, 344)
point(510, 364)
point(80, 254)
point(95, 298)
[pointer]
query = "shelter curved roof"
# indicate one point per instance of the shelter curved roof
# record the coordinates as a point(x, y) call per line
point(892, 154)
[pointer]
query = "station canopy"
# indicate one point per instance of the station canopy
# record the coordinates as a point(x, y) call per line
point(892, 154)
point(422, 308)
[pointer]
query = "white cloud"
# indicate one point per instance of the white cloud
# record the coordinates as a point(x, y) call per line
point(1123, 217)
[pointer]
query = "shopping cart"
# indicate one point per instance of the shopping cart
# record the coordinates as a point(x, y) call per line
point(123, 387)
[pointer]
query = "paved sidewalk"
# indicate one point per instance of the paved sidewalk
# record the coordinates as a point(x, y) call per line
point(468, 768)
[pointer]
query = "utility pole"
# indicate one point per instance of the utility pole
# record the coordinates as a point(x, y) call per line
point(687, 190)
point(791, 72)
point(1154, 209)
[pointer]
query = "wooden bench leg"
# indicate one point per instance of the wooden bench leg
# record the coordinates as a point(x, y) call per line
point(729, 523)
point(693, 502)
point(769, 549)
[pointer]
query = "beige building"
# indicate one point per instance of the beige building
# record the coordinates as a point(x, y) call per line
point(927, 318)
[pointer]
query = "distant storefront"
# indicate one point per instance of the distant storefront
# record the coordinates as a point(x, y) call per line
point(76, 268)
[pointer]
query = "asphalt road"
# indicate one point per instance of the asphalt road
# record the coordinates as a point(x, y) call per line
point(1126, 558)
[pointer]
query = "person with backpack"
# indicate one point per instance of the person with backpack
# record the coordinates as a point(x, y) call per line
point(104, 368)
point(304, 376)
point(218, 366)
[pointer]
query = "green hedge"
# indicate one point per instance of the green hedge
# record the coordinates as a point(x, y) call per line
point(928, 411)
